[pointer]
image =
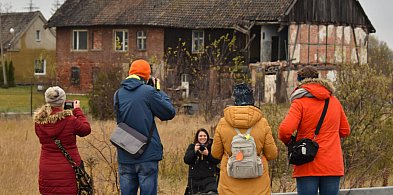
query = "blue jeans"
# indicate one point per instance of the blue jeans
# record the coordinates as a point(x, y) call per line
point(328, 185)
point(134, 176)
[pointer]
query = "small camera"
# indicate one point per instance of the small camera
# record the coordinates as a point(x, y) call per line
point(202, 147)
point(68, 104)
point(152, 82)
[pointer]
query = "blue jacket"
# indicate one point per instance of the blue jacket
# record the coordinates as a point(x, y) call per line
point(138, 104)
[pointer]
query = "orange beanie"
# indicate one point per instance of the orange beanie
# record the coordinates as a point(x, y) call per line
point(140, 68)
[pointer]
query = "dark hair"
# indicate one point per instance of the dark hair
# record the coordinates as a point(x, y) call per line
point(197, 133)
point(307, 72)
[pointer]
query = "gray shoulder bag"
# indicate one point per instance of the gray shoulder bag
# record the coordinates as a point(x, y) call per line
point(128, 138)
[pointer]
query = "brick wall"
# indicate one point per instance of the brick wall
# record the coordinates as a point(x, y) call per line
point(101, 53)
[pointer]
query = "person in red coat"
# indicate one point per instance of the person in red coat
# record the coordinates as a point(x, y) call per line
point(307, 102)
point(56, 176)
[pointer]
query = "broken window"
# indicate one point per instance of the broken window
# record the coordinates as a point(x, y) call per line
point(75, 75)
point(121, 40)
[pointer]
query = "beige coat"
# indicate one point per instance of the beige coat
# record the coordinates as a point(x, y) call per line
point(243, 117)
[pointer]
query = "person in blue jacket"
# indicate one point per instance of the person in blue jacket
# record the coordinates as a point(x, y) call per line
point(139, 103)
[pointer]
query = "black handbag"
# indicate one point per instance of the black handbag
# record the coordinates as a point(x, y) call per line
point(128, 138)
point(83, 180)
point(305, 150)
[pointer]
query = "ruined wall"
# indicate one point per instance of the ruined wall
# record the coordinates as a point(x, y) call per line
point(327, 44)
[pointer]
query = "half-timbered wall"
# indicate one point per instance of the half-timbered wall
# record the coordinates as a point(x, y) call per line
point(327, 44)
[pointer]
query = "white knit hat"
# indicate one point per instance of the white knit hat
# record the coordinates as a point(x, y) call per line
point(55, 96)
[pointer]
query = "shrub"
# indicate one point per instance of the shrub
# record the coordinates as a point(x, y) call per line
point(367, 100)
point(101, 99)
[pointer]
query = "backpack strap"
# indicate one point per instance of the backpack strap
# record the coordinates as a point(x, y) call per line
point(238, 131)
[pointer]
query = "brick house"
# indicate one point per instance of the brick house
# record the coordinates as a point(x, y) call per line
point(30, 47)
point(278, 35)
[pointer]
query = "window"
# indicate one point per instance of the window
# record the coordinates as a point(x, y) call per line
point(121, 40)
point(141, 40)
point(79, 40)
point(39, 67)
point(38, 35)
point(197, 41)
point(75, 75)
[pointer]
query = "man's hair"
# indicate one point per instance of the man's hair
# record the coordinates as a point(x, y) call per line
point(307, 72)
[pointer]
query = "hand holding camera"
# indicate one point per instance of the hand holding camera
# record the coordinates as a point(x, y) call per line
point(201, 148)
point(154, 82)
point(71, 104)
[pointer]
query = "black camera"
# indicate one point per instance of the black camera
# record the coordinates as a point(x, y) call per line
point(68, 104)
point(202, 147)
point(152, 82)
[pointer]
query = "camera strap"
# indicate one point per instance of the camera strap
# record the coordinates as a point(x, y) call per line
point(319, 125)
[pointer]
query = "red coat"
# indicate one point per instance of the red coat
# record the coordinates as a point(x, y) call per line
point(304, 115)
point(56, 175)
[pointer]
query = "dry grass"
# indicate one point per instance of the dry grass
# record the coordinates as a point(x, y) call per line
point(20, 150)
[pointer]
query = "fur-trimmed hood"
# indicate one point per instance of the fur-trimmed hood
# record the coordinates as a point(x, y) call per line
point(324, 82)
point(319, 88)
point(46, 114)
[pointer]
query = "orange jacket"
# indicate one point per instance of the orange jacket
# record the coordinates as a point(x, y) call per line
point(304, 115)
point(243, 117)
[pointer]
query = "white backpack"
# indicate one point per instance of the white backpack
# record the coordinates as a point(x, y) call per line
point(247, 164)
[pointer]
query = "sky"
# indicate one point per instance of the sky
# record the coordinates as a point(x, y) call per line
point(378, 11)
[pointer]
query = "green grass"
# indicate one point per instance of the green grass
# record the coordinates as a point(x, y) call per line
point(25, 99)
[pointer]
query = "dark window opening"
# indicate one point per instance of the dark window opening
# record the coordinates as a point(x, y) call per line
point(275, 48)
point(75, 75)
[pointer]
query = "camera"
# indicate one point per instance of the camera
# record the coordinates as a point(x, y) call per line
point(202, 147)
point(68, 104)
point(152, 82)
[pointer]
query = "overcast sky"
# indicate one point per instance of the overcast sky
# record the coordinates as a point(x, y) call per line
point(378, 11)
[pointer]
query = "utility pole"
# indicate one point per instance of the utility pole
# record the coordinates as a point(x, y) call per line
point(2, 55)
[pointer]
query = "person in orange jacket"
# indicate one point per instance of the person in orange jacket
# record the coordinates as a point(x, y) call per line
point(244, 115)
point(307, 102)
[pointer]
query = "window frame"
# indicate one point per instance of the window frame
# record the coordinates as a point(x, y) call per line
point(43, 66)
point(200, 41)
point(77, 47)
point(125, 42)
point(141, 40)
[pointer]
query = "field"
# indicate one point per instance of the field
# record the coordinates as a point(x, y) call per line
point(19, 148)
point(27, 99)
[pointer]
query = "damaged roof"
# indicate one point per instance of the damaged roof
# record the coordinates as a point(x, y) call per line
point(169, 13)
point(193, 14)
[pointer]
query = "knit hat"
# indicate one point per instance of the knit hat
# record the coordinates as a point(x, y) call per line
point(243, 95)
point(55, 96)
point(140, 68)
point(307, 72)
